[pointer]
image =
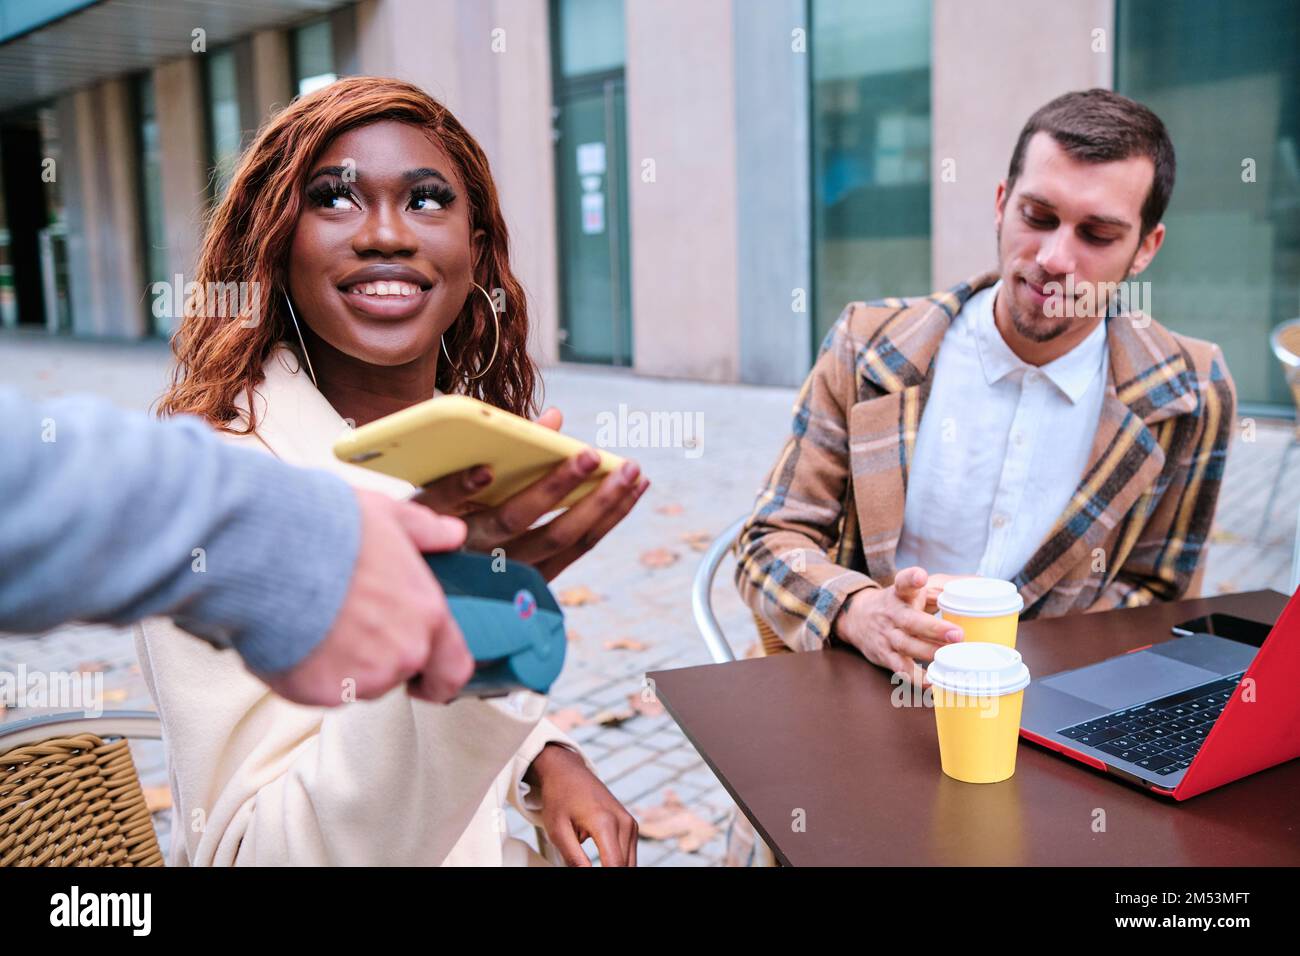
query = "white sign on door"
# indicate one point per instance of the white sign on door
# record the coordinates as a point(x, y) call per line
point(591, 159)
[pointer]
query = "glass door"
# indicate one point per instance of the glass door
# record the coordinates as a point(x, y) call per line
point(591, 169)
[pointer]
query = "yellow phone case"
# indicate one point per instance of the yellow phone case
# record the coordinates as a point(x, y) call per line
point(450, 433)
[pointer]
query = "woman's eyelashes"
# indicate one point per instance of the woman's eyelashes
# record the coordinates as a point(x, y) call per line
point(336, 194)
point(438, 195)
point(328, 193)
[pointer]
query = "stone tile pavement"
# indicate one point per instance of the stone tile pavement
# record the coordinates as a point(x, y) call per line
point(695, 493)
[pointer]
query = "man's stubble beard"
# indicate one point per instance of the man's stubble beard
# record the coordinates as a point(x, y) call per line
point(1035, 328)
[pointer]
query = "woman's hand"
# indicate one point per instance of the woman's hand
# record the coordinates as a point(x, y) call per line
point(551, 547)
point(576, 806)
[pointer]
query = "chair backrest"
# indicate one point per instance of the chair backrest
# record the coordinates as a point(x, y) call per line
point(702, 601)
point(702, 593)
point(1285, 343)
point(70, 794)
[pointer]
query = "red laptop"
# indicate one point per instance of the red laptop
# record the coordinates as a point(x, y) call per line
point(1181, 717)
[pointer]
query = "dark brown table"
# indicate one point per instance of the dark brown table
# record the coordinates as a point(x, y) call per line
point(814, 737)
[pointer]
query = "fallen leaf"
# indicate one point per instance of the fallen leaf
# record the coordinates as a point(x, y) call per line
point(673, 819)
point(578, 596)
point(700, 833)
point(645, 707)
point(1227, 587)
point(612, 718)
point(1222, 536)
point(157, 798)
point(625, 644)
point(658, 558)
point(115, 695)
point(670, 509)
point(573, 636)
point(92, 667)
point(697, 540)
point(661, 822)
point(567, 719)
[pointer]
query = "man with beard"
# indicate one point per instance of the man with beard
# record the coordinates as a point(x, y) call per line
point(1029, 424)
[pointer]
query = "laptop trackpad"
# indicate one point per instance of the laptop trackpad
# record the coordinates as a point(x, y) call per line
point(1129, 680)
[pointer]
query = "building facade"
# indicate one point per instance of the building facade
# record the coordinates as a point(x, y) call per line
point(694, 188)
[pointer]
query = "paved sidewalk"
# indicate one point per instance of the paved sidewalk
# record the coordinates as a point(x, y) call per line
point(692, 498)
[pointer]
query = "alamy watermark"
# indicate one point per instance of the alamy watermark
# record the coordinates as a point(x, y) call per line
point(633, 428)
point(207, 300)
point(983, 692)
point(1095, 299)
point(64, 690)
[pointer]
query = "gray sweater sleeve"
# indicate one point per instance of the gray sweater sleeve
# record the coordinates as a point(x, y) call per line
point(107, 515)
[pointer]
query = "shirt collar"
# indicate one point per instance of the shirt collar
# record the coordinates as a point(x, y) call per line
point(1072, 373)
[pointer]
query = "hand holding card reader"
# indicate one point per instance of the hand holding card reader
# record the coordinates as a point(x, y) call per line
point(512, 623)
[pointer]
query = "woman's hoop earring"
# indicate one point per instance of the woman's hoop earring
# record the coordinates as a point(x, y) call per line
point(310, 370)
point(496, 322)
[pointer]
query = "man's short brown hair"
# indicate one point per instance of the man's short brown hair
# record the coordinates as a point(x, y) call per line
point(1100, 126)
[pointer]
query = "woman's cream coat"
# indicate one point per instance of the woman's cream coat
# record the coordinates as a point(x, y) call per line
point(394, 781)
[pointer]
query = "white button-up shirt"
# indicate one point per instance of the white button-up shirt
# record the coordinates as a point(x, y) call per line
point(1001, 447)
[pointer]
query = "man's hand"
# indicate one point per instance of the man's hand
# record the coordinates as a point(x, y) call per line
point(890, 627)
point(394, 625)
point(935, 585)
point(576, 805)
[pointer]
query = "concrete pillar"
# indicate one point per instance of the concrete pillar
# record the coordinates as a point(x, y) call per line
point(272, 79)
point(681, 112)
point(994, 62)
point(523, 163)
point(773, 221)
point(178, 97)
point(125, 302)
point(105, 267)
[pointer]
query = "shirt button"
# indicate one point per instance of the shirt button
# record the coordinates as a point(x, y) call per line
point(1018, 438)
point(999, 520)
point(1031, 377)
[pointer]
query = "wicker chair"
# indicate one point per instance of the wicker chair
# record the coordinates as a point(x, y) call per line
point(70, 794)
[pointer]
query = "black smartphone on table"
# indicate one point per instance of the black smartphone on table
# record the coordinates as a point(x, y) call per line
point(1226, 625)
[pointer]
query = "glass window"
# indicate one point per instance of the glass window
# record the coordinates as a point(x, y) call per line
point(1226, 81)
point(591, 36)
point(313, 56)
point(224, 126)
point(871, 152)
point(153, 230)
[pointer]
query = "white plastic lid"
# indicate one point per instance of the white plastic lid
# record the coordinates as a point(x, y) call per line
point(979, 669)
point(981, 597)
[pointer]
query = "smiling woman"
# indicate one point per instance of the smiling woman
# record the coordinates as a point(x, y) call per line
point(366, 182)
point(368, 217)
point(383, 259)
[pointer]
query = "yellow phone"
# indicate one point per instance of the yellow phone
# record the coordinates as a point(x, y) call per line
point(450, 433)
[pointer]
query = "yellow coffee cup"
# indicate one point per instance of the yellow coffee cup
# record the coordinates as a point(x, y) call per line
point(986, 609)
point(977, 689)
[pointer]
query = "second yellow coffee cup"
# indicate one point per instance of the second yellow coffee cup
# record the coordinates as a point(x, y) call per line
point(977, 691)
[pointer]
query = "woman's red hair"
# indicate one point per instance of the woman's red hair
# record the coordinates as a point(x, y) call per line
point(248, 237)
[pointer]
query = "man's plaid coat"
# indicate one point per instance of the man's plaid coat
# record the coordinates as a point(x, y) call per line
point(827, 521)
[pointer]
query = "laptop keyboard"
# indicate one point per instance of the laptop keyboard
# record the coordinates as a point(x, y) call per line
point(1163, 735)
